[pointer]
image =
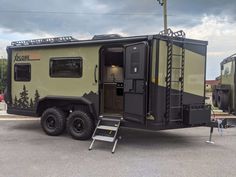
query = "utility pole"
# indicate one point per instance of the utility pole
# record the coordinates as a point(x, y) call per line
point(164, 4)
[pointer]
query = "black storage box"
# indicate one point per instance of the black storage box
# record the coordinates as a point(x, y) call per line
point(197, 114)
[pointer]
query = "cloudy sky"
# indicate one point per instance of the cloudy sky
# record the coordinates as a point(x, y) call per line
point(211, 20)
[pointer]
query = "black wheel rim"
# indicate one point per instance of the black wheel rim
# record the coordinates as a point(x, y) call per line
point(78, 125)
point(51, 122)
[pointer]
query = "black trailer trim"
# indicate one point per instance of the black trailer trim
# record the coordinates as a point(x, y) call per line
point(8, 97)
point(180, 40)
point(149, 106)
point(76, 103)
point(52, 101)
point(22, 112)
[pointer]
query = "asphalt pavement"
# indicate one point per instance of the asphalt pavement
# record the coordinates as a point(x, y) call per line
point(25, 151)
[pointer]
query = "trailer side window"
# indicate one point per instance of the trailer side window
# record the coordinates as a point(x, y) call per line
point(66, 67)
point(22, 72)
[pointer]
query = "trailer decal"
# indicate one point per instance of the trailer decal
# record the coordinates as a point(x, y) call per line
point(25, 58)
point(24, 101)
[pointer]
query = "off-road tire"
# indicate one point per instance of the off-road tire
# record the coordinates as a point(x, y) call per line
point(223, 101)
point(214, 98)
point(80, 125)
point(53, 121)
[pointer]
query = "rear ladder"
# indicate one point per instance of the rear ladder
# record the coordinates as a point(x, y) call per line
point(174, 98)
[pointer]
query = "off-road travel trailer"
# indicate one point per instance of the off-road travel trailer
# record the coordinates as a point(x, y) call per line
point(152, 82)
point(224, 96)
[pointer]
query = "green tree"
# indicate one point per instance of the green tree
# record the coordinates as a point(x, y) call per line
point(36, 97)
point(15, 103)
point(31, 103)
point(3, 74)
point(23, 102)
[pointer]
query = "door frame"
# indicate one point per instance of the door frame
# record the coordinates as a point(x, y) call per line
point(100, 74)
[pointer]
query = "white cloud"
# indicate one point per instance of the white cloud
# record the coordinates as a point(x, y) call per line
point(6, 37)
point(3, 45)
point(95, 6)
point(117, 31)
point(220, 32)
point(84, 36)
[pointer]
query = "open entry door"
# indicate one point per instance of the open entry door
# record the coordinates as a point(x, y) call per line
point(135, 79)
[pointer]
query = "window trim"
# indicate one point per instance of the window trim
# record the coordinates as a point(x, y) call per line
point(20, 64)
point(65, 58)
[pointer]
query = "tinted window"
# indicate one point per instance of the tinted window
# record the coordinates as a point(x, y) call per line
point(227, 68)
point(22, 72)
point(135, 62)
point(66, 67)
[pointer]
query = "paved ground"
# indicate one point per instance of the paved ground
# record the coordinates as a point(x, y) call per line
point(25, 151)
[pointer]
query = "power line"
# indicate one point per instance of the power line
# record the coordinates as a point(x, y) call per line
point(75, 13)
point(195, 18)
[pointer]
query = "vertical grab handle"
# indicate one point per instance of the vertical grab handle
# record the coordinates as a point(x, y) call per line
point(95, 74)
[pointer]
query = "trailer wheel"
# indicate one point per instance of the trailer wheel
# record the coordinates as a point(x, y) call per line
point(80, 125)
point(223, 101)
point(53, 121)
point(214, 98)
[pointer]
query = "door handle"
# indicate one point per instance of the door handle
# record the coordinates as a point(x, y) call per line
point(95, 74)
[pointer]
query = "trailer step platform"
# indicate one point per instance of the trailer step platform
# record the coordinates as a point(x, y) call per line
point(106, 130)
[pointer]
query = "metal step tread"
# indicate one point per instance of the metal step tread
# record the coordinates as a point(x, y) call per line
point(110, 119)
point(104, 138)
point(105, 127)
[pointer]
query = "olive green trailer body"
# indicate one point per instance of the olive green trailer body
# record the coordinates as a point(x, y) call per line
point(152, 82)
point(224, 96)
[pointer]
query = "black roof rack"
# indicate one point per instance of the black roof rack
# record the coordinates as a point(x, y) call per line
point(44, 41)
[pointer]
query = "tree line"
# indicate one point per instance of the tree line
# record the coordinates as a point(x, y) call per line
point(24, 101)
point(3, 74)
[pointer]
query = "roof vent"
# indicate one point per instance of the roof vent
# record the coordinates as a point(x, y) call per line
point(106, 36)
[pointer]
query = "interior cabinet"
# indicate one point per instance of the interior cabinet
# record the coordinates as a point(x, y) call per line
point(112, 102)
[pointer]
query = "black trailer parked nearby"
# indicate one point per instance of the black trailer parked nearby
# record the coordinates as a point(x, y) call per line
point(224, 96)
